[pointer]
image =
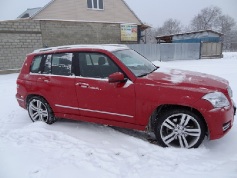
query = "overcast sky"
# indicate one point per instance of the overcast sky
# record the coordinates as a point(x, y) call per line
point(153, 12)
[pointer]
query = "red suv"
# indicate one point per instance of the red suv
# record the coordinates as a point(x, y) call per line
point(114, 85)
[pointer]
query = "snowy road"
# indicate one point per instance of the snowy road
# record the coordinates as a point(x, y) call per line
point(76, 149)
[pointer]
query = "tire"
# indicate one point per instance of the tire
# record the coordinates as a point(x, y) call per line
point(179, 128)
point(39, 110)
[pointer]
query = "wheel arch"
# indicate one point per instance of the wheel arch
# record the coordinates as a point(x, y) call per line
point(34, 95)
point(164, 108)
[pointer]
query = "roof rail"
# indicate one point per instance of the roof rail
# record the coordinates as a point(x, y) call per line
point(100, 46)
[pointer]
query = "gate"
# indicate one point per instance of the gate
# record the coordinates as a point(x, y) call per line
point(211, 50)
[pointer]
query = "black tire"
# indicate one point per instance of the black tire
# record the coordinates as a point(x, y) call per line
point(39, 110)
point(179, 128)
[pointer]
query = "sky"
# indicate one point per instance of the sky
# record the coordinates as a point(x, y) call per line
point(152, 12)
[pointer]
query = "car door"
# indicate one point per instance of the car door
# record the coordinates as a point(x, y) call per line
point(97, 98)
point(57, 83)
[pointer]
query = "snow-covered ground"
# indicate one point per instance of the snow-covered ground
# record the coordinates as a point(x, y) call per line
point(69, 149)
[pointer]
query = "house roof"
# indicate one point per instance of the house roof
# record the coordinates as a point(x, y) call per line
point(92, 16)
point(166, 37)
point(30, 12)
point(132, 11)
point(50, 2)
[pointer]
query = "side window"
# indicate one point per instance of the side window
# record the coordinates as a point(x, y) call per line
point(89, 4)
point(101, 4)
point(62, 64)
point(96, 59)
point(35, 66)
point(95, 4)
point(96, 65)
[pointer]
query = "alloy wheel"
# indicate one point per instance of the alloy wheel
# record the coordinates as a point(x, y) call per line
point(38, 110)
point(180, 130)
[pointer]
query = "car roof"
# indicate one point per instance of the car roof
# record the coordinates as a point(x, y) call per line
point(107, 47)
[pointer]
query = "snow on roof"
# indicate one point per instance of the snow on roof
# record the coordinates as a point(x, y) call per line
point(108, 47)
point(194, 32)
point(29, 12)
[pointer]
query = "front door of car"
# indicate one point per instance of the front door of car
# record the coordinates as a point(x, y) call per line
point(97, 98)
point(57, 83)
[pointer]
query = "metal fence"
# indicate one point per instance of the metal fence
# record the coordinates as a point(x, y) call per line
point(168, 51)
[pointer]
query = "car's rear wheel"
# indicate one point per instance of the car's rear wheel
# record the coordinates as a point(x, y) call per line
point(179, 128)
point(39, 110)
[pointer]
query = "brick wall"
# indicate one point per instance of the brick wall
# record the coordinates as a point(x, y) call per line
point(56, 33)
point(20, 37)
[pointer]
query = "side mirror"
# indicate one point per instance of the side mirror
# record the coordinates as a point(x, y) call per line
point(116, 77)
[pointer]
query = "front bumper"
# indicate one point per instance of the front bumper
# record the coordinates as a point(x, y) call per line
point(219, 120)
point(234, 108)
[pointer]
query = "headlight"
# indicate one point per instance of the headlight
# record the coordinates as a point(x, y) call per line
point(230, 92)
point(217, 99)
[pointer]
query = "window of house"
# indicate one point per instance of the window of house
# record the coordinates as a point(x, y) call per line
point(95, 4)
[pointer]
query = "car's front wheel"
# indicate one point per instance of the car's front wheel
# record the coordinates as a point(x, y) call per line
point(39, 110)
point(179, 128)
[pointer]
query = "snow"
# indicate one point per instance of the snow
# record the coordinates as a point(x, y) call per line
point(173, 75)
point(77, 149)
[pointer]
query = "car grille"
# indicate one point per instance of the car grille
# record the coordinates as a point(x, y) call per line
point(234, 109)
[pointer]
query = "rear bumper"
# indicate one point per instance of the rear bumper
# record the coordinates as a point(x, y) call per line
point(20, 100)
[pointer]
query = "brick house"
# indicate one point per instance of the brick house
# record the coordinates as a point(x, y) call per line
point(63, 22)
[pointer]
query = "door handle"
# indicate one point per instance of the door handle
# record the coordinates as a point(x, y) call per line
point(44, 79)
point(83, 85)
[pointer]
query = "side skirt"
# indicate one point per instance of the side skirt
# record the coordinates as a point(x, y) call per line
point(102, 121)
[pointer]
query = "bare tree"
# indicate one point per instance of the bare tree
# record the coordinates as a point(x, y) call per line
point(149, 36)
point(206, 19)
point(170, 26)
point(232, 43)
point(225, 23)
point(213, 19)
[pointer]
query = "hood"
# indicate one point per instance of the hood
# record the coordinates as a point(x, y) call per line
point(183, 78)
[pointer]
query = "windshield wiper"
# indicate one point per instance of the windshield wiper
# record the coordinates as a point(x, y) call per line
point(155, 69)
point(144, 74)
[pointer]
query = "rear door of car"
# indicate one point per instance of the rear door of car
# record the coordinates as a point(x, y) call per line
point(56, 82)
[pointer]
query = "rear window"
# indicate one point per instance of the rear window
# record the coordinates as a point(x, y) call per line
point(56, 64)
point(35, 66)
point(62, 64)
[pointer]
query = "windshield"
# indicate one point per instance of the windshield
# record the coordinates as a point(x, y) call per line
point(138, 64)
